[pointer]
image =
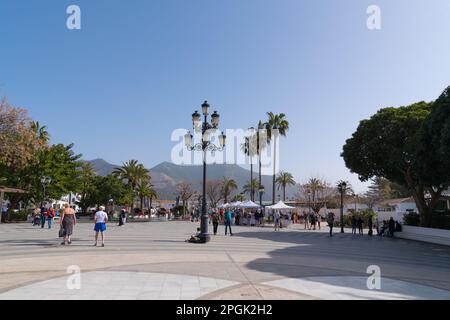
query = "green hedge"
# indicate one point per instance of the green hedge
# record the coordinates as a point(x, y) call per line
point(178, 211)
point(439, 220)
point(412, 219)
point(18, 216)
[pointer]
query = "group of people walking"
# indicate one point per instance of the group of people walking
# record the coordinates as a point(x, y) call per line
point(68, 220)
point(311, 220)
point(43, 215)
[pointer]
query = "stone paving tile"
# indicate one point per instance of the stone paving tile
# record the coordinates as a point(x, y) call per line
point(355, 288)
point(253, 256)
point(96, 285)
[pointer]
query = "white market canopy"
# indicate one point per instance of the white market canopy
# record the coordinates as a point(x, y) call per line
point(248, 205)
point(280, 206)
point(224, 206)
point(234, 204)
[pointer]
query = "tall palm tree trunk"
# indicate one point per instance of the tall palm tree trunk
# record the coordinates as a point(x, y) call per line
point(252, 191)
point(259, 177)
point(274, 169)
point(284, 193)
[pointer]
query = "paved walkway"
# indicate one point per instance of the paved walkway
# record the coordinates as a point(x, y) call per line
point(152, 261)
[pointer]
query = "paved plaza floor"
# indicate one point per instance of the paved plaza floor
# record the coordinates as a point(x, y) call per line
point(152, 261)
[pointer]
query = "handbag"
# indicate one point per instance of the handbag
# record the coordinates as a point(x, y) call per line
point(62, 232)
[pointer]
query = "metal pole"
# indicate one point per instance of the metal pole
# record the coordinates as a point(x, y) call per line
point(204, 236)
point(259, 165)
point(342, 212)
point(2, 196)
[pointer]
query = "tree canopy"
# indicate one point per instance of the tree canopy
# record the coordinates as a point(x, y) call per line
point(406, 145)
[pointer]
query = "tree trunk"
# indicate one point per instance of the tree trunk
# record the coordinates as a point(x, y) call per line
point(284, 193)
point(418, 193)
point(274, 169)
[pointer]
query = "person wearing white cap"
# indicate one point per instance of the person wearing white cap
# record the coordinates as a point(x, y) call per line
point(101, 218)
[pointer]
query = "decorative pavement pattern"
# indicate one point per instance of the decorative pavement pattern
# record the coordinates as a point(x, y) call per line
point(152, 261)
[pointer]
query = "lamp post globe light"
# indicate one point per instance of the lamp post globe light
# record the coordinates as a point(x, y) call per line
point(45, 181)
point(204, 146)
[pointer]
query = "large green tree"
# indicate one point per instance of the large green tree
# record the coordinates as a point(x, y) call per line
point(434, 151)
point(388, 146)
point(133, 174)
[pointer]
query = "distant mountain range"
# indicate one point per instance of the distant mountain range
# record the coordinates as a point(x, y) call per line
point(166, 175)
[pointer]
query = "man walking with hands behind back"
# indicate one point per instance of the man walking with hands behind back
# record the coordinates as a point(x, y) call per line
point(100, 224)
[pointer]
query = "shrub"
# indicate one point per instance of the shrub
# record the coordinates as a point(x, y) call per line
point(439, 220)
point(411, 219)
point(18, 216)
point(178, 211)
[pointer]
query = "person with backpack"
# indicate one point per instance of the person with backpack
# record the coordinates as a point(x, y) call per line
point(43, 216)
point(50, 215)
point(228, 218)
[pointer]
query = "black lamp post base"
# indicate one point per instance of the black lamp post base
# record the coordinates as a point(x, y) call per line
point(204, 237)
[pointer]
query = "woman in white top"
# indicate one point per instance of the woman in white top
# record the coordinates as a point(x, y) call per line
point(100, 224)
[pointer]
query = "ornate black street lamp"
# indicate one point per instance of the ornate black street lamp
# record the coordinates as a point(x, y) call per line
point(205, 145)
point(45, 181)
point(342, 189)
point(261, 192)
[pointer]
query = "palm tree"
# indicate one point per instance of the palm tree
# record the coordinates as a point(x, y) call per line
point(251, 186)
point(343, 188)
point(228, 185)
point(145, 190)
point(249, 149)
point(238, 197)
point(133, 173)
point(40, 132)
point(284, 179)
point(152, 194)
point(275, 125)
point(261, 144)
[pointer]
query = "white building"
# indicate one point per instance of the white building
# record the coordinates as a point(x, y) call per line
point(395, 208)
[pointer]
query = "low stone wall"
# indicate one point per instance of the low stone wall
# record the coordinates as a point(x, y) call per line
point(437, 236)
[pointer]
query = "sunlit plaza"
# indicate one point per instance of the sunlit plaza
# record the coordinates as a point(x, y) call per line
point(153, 261)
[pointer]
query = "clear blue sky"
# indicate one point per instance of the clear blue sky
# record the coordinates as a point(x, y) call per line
point(137, 69)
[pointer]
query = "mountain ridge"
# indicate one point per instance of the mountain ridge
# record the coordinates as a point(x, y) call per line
point(166, 175)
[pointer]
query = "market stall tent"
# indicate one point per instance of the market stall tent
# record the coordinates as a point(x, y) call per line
point(248, 205)
point(280, 206)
